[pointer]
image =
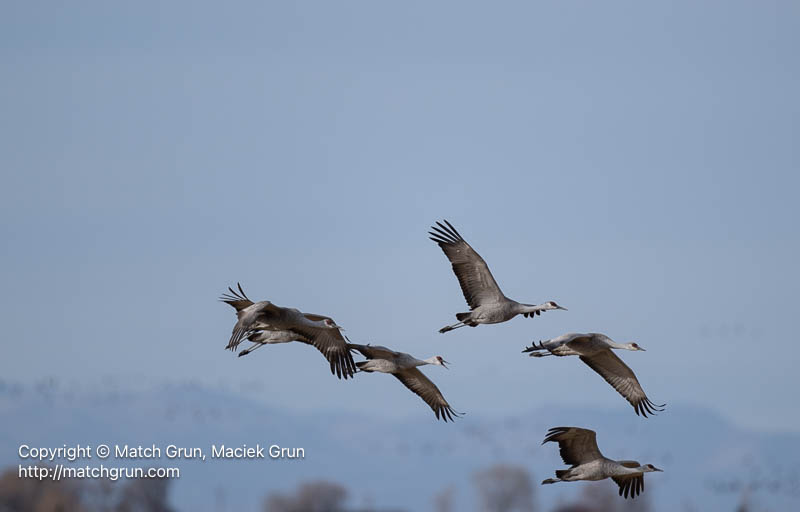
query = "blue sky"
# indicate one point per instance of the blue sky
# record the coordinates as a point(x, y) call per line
point(635, 163)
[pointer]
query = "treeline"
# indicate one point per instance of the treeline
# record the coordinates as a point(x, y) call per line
point(499, 488)
point(85, 495)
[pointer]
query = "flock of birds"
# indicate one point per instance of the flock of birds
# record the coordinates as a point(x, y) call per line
point(264, 323)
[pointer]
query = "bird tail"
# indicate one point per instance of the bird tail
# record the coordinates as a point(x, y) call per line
point(462, 316)
point(561, 473)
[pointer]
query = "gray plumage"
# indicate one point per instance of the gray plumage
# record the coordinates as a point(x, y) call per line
point(256, 318)
point(595, 350)
point(578, 447)
point(404, 367)
point(486, 301)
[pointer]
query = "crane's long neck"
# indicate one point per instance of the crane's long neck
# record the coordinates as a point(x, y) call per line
point(529, 308)
point(623, 470)
point(619, 346)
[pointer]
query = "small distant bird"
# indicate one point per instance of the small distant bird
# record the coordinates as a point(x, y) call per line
point(578, 447)
point(486, 302)
point(594, 349)
point(263, 322)
point(404, 367)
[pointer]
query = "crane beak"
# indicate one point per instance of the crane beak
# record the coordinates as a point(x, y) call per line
point(559, 307)
point(443, 364)
point(659, 470)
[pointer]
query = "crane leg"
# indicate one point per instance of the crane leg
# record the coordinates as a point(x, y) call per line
point(448, 328)
point(251, 348)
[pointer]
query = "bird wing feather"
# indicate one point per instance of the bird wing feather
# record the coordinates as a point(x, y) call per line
point(477, 283)
point(632, 484)
point(621, 377)
point(576, 445)
point(374, 351)
point(332, 345)
point(236, 299)
point(258, 316)
point(421, 385)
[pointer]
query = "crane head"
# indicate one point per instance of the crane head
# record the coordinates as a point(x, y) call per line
point(553, 305)
point(440, 361)
point(648, 468)
point(635, 346)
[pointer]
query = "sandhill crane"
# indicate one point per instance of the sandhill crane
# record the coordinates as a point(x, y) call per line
point(594, 349)
point(486, 301)
point(578, 447)
point(256, 319)
point(404, 367)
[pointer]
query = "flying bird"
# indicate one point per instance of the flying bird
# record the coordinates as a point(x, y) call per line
point(578, 447)
point(404, 367)
point(486, 301)
point(595, 350)
point(263, 322)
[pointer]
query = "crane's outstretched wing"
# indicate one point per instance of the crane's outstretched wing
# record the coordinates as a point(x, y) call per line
point(630, 484)
point(236, 299)
point(477, 283)
point(576, 445)
point(622, 378)
point(252, 316)
point(421, 385)
point(559, 346)
point(331, 343)
point(373, 351)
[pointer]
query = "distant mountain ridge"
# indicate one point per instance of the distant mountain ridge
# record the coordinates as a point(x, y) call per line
point(708, 462)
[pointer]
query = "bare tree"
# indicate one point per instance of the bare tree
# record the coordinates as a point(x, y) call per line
point(443, 501)
point(145, 495)
point(318, 496)
point(602, 497)
point(505, 488)
point(33, 495)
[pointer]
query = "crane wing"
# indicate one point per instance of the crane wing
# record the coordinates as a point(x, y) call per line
point(630, 484)
point(421, 385)
point(251, 315)
point(236, 299)
point(477, 283)
point(622, 378)
point(576, 445)
point(332, 345)
point(560, 346)
point(373, 351)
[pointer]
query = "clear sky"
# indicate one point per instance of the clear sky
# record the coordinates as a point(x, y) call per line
point(637, 163)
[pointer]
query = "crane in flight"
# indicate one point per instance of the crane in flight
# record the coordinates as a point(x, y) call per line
point(486, 301)
point(404, 367)
point(578, 447)
point(594, 349)
point(259, 321)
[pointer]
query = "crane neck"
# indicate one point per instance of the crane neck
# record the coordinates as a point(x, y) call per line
point(529, 308)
